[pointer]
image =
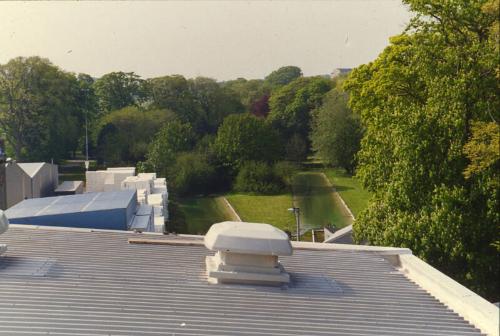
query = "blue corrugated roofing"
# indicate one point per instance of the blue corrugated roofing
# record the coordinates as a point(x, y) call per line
point(104, 210)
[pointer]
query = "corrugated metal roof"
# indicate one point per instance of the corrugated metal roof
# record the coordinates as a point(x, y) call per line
point(71, 203)
point(98, 284)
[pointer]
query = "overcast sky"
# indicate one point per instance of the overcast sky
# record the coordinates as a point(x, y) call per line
point(219, 39)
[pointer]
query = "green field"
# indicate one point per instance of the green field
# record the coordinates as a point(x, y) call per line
point(264, 209)
point(319, 206)
point(349, 189)
point(199, 213)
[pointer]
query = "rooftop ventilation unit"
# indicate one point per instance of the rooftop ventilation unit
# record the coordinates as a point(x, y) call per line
point(246, 253)
point(4, 225)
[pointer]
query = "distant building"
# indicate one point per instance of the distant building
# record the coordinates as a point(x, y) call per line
point(339, 71)
point(29, 180)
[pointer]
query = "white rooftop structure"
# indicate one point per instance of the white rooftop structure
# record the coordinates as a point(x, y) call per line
point(249, 238)
point(246, 253)
point(70, 187)
point(31, 168)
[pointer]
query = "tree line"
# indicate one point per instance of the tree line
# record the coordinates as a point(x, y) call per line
point(194, 131)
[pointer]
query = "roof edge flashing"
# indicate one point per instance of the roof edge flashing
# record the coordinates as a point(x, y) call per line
point(472, 307)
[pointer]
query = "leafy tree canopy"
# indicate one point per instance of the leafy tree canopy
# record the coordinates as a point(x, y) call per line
point(175, 137)
point(291, 105)
point(283, 76)
point(40, 109)
point(244, 137)
point(336, 131)
point(124, 135)
point(117, 90)
point(419, 102)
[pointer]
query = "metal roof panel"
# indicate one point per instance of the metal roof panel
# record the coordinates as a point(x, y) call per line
point(98, 284)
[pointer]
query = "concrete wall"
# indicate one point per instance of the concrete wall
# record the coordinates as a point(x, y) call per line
point(18, 184)
point(21, 186)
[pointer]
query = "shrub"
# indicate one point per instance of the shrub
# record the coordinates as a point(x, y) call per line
point(193, 174)
point(285, 170)
point(258, 177)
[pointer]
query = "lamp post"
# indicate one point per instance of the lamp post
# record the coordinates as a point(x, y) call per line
point(296, 212)
point(87, 163)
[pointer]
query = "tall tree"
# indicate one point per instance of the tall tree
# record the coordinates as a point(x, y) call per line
point(244, 137)
point(117, 90)
point(39, 109)
point(175, 137)
point(418, 102)
point(292, 104)
point(215, 103)
point(124, 135)
point(248, 91)
point(283, 76)
point(336, 131)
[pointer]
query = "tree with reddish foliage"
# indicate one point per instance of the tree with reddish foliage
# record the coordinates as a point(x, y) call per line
point(260, 107)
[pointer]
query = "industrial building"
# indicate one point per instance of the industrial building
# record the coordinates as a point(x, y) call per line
point(90, 282)
point(29, 180)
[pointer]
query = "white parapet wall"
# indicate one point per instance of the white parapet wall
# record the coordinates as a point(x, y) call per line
point(483, 314)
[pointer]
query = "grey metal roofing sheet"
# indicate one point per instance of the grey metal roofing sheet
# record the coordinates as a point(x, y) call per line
point(98, 284)
point(71, 203)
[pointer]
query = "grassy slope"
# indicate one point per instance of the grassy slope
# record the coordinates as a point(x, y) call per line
point(201, 212)
point(264, 209)
point(349, 189)
point(319, 206)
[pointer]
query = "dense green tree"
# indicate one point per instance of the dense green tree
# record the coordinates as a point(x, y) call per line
point(201, 102)
point(296, 148)
point(124, 135)
point(244, 137)
point(39, 109)
point(193, 174)
point(117, 90)
point(174, 93)
point(291, 106)
point(283, 76)
point(336, 131)
point(258, 177)
point(248, 91)
point(214, 102)
point(175, 137)
point(418, 102)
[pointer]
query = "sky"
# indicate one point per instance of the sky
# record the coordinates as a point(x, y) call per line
point(219, 39)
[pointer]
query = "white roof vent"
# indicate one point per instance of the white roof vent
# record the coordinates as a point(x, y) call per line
point(246, 253)
point(4, 225)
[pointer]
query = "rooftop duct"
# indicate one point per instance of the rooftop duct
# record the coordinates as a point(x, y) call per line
point(4, 225)
point(246, 253)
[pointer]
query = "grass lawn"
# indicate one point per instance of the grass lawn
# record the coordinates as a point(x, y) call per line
point(318, 204)
point(264, 209)
point(199, 213)
point(349, 189)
